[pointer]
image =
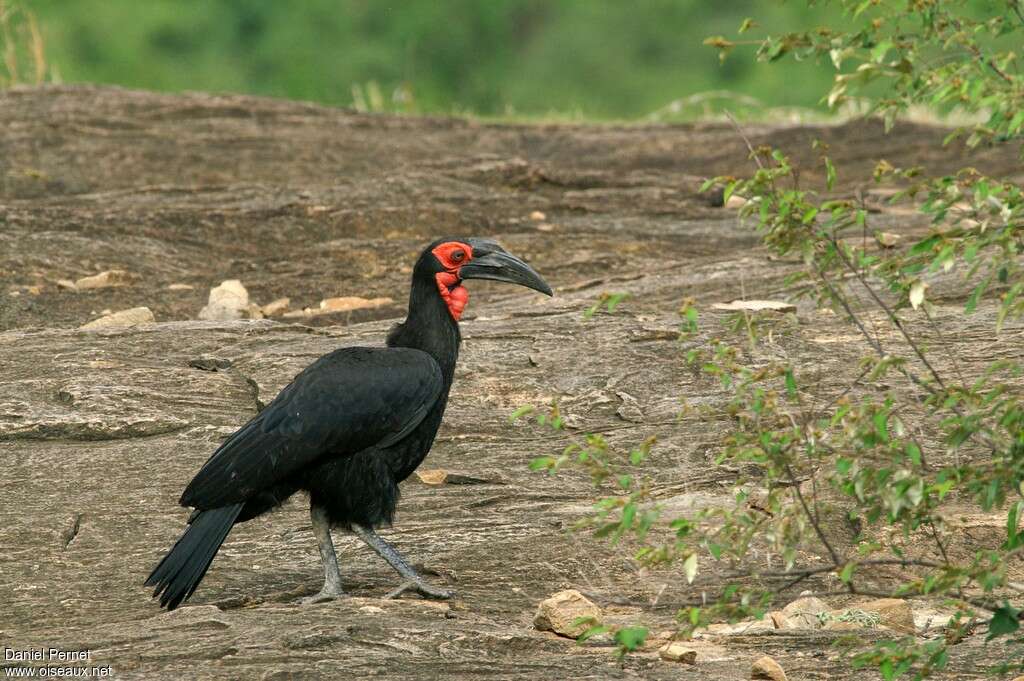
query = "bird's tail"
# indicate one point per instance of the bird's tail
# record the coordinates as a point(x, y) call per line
point(181, 570)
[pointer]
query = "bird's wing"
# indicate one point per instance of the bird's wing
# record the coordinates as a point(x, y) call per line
point(346, 401)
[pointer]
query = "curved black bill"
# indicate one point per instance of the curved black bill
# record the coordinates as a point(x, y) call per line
point(500, 266)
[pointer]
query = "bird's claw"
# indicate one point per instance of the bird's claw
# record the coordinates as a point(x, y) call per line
point(422, 588)
point(321, 597)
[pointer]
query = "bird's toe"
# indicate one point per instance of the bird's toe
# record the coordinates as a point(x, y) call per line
point(322, 597)
point(423, 589)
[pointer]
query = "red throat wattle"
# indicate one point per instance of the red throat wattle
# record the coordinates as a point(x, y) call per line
point(455, 298)
point(452, 255)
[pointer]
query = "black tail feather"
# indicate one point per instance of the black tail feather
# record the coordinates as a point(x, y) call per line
point(181, 570)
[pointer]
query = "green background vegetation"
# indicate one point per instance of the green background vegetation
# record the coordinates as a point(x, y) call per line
point(597, 59)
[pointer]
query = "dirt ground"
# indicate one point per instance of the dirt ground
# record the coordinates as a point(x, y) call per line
point(101, 430)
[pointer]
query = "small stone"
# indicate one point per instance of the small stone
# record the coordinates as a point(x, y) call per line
point(226, 302)
point(887, 239)
point(755, 306)
point(678, 652)
point(735, 202)
point(559, 612)
point(538, 216)
point(180, 287)
point(34, 290)
point(894, 613)
point(106, 279)
point(66, 284)
point(767, 668)
point(371, 609)
point(122, 320)
point(275, 307)
point(432, 476)
point(349, 303)
point(545, 227)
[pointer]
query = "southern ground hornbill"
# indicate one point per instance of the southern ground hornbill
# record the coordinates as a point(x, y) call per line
point(347, 430)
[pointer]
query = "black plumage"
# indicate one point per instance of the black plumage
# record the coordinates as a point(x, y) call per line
point(347, 430)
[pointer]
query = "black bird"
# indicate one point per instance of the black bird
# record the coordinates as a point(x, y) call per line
point(347, 430)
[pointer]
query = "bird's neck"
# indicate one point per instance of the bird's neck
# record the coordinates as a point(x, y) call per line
point(429, 327)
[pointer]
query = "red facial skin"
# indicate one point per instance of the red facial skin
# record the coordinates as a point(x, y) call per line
point(448, 255)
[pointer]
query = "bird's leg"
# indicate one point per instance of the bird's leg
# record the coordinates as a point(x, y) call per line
point(413, 581)
point(332, 575)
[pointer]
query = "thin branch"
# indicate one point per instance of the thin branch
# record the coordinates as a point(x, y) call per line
point(809, 572)
point(750, 147)
point(810, 516)
point(888, 311)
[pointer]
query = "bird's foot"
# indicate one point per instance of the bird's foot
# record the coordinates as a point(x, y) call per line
point(422, 588)
point(323, 596)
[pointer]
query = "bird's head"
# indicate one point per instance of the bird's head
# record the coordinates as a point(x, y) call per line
point(448, 262)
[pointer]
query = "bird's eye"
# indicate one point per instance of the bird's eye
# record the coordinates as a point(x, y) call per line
point(458, 256)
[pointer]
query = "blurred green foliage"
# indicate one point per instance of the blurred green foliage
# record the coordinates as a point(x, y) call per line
point(598, 59)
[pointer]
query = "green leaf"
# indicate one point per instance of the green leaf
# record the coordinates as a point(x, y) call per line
point(913, 453)
point(925, 245)
point(847, 572)
point(881, 420)
point(1004, 621)
point(790, 384)
point(521, 412)
point(830, 173)
point(979, 290)
point(1013, 538)
point(1007, 304)
point(879, 50)
point(631, 638)
point(592, 631)
point(614, 299)
point(542, 463)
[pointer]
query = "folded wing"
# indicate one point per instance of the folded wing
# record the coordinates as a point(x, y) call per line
point(347, 401)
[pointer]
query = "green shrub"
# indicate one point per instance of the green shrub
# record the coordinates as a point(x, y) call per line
point(891, 461)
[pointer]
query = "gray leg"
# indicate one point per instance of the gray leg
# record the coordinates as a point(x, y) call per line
point(332, 576)
point(413, 582)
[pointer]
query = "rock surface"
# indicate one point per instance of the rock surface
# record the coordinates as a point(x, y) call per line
point(100, 432)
